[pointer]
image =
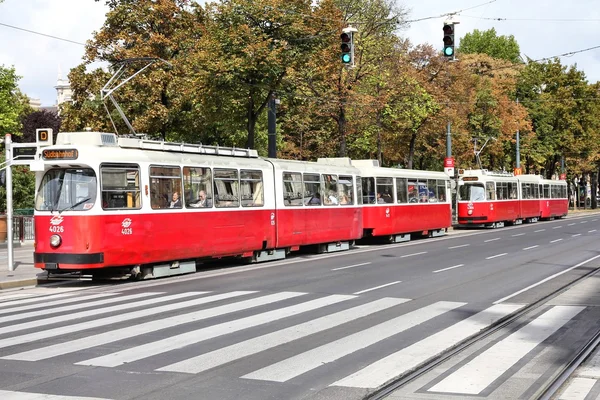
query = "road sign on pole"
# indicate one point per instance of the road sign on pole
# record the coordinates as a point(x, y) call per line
point(449, 166)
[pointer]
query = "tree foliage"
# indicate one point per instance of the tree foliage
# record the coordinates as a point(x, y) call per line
point(488, 42)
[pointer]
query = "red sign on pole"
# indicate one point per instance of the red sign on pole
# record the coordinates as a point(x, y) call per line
point(449, 162)
point(563, 177)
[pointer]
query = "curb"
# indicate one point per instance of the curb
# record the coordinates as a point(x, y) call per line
point(18, 283)
point(4, 245)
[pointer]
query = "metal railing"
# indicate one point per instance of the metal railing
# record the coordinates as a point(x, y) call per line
point(23, 228)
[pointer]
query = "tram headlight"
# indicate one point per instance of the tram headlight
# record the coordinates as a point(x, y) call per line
point(470, 212)
point(55, 240)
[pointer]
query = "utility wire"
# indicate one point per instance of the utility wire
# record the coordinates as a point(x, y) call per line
point(42, 34)
point(535, 19)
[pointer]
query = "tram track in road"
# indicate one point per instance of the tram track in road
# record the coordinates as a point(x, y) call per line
point(547, 391)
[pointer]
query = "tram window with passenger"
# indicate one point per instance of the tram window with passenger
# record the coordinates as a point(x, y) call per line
point(251, 188)
point(330, 190)
point(227, 193)
point(368, 191)
point(346, 190)
point(292, 189)
point(120, 187)
point(472, 191)
point(385, 190)
point(197, 183)
point(401, 191)
point(490, 191)
point(67, 189)
point(165, 187)
point(312, 189)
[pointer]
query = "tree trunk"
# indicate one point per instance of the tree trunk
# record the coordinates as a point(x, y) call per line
point(251, 122)
point(379, 127)
point(342, 132)
point(594, 188)
point(411, 150)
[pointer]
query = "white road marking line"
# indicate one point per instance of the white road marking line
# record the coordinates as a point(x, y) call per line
point(571, 224)
point(556, 240)
point(593, 230)
point(539, 230)
point(578, 389)
point(491, 240)
point(546, 279)
point(413, 254)
point(351, 266)
point(410, 357)
point(518, 234)
point(446, 269)
point(575, 235)
point(111, 336)
point(48, 306)
point(456, 247)
point(594, 220)
point(497, 255)
point(583, 222)
point(224, 355)
point(531, 247)
point(76, 315)
point(480, 372)
point(556, 227)
point(10, 395)
point(304, 362)
point(377, 287)
point(196, 336)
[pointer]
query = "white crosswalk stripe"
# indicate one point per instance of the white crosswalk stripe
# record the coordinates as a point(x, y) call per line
point(63, 330)
point(408, 358)
point(77, 315)
point(480, 372)
point(294, 366)
point(252, 346)
point(196, 336)
point(10, 395)
point(5, 307)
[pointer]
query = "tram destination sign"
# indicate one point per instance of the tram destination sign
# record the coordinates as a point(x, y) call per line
point(59, 154)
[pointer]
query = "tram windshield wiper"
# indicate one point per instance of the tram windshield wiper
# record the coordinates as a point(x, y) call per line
point(75, 205)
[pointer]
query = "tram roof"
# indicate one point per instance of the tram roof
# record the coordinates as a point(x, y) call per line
point(372, 168)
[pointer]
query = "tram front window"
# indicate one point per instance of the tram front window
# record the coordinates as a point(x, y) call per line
point(472, 192)
point(67, 189)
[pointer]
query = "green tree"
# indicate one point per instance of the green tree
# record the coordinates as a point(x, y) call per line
point(13, 104)
point(488, 42)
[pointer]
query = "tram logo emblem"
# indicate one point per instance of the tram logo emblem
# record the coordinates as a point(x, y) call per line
point(56, 220)
point(470, 206)
point(126, 223)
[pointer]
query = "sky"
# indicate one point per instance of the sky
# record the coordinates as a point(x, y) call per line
point(542, 28)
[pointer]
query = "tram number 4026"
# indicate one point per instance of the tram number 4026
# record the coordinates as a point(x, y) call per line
point(57, 229)
point(127, 231)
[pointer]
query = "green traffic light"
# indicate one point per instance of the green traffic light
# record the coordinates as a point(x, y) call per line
point(346, 58)
point(449, 51)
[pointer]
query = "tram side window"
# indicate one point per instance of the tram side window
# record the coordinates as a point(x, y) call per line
point(413, 191)
point(385, 190)
point(432, 190)
point(536, 190)
point(546, 191)
point(441, 190)
point(359, 199)
point(197, 183)
point(330, 191)
point(401, 190)
point(251, 187)
point(312, 190)
point(346, 190)
point(502, 190)
point(292, 189)
point(512, 190)
point(227, 193)
point(120, 186)
point(368, 190)
point(490, 191)
point(563, 191)
point(165, 187)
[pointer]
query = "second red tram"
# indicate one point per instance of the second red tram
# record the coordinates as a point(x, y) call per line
point(495, 198)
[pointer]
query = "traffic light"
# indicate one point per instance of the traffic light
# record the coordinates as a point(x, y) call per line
point(449, 40)
point(347, 53)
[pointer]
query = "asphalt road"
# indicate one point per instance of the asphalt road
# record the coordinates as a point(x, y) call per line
point(332, 326)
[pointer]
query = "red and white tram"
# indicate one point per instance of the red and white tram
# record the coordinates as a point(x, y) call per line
point(400, 202)
point(495, 198)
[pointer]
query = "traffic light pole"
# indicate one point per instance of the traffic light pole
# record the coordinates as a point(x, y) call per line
point(9, 202)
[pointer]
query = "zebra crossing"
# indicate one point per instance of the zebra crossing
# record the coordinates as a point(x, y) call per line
point(199, 332)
